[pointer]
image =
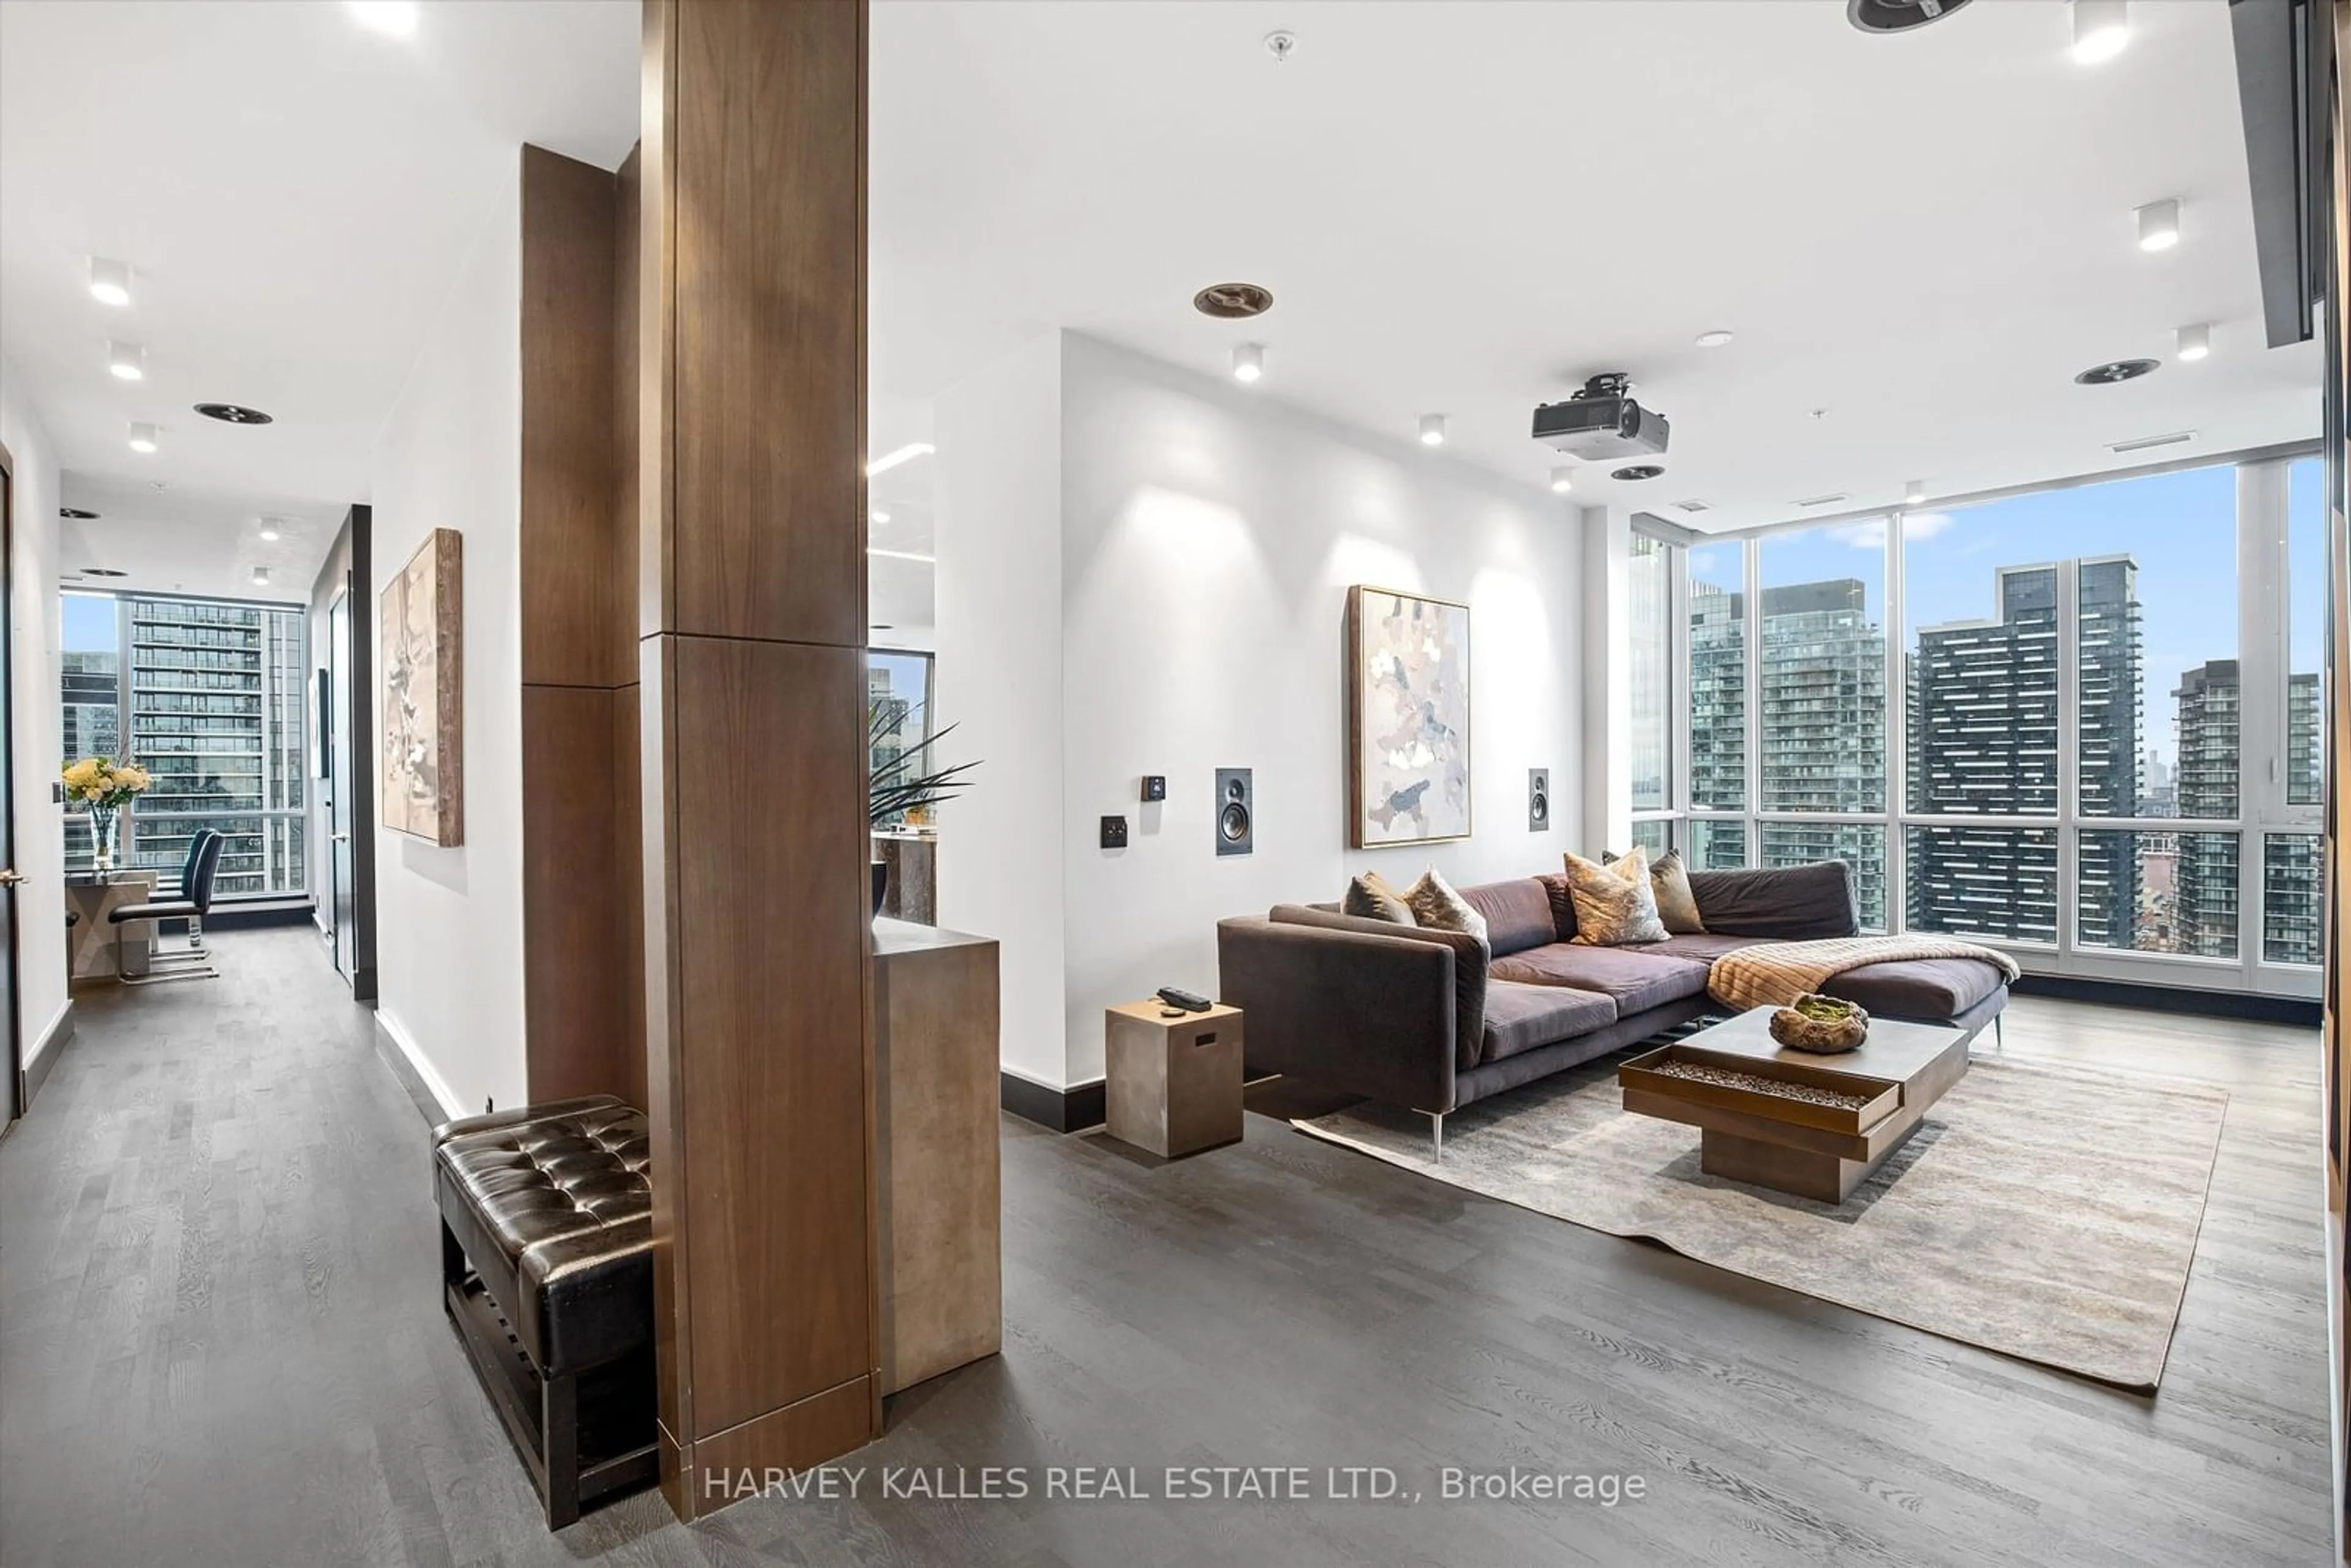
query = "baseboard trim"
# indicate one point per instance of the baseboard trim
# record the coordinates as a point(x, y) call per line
point(432, 1098)
point(2173, 999)
point(1067, 1110)
point(42, 1059)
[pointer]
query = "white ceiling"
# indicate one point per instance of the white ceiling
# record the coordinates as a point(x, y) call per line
point(1467, 208)
point(297, 195)
point(188, 539)
point(1462, 208)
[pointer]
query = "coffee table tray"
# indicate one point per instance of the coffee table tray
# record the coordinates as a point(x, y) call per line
point(1881, 1097)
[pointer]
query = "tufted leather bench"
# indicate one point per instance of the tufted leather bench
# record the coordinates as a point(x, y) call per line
point(547, 1272)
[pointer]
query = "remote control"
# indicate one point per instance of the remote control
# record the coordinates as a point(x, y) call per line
point(1190, 1003)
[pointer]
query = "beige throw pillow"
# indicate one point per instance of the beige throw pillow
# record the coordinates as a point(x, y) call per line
point(1614, 904)
point(1676, 904)
point(1369, 897)
point(1437, 907)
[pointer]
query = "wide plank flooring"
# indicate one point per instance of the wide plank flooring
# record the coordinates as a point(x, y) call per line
point(221, 1343)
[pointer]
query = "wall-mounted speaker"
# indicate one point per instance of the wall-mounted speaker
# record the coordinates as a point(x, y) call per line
point(1537, 800)
point(1236, 812)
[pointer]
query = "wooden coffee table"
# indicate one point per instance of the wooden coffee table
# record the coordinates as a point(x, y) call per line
point(1749, 1133)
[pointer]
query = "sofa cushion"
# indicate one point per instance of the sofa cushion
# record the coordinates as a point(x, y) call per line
point(1522, 1018)
point(1704, 946)
point(1634, 978)
point(1669, 885)
point(1928, 989)
point(1518, 914)
point(1561, 894)
point(1790, 903)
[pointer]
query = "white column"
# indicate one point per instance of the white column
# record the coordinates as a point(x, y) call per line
point(1608, 685)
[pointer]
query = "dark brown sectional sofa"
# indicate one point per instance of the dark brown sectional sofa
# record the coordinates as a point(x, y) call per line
point(1432, 1020)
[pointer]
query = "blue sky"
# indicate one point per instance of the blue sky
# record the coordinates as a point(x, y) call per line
point(89, 624)
point(2181, 527)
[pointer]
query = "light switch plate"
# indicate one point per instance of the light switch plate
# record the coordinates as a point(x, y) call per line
point(1155, 786)
point(1113, 832)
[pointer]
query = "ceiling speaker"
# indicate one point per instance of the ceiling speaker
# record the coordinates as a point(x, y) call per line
point(1236, 812)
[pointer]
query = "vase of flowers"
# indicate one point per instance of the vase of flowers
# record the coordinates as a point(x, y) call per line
point(103, 787)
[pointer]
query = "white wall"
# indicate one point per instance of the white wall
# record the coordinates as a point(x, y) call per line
point(1606, 542)
point(1207, 538)
point(449, 921)
point(33, 717)
point(999, 638)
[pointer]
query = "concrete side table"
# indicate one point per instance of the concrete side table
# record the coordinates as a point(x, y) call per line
point(1174, 1083)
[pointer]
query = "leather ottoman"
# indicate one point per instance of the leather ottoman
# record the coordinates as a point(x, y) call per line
point(547, 1272)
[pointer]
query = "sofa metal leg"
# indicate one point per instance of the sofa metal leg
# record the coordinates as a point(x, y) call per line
point(1437, 1136)
point(1999, 1041)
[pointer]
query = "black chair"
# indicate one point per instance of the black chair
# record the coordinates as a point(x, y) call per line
point(195, 902)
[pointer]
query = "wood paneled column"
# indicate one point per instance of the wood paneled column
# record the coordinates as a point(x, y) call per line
point(752, 622)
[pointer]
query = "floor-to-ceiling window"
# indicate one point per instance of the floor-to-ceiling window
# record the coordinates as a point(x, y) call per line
point(2082, 721)
point(209, 697)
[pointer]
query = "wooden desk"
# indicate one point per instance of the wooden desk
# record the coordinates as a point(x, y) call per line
point(90, 942)
point(936, 1092)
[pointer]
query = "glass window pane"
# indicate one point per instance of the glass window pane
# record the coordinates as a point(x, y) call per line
point(1650, 601)
point(2306, 629)
point(1981, 666)
point(1823, 689)
point(2290, 918)
point(1717, 658)
point(898, 706)
point(2158, 892)
point(1651, 836)
point(1858, 844)
point(1984, 881)
point(1718, 846)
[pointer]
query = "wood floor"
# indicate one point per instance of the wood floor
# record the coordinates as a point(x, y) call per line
point(220, 1345)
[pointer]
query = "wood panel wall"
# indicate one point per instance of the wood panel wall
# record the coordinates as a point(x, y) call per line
point(582, 956)
point(752, 618)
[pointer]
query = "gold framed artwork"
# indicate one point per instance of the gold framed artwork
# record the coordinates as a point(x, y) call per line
point(421, 642)
point(1407, 719)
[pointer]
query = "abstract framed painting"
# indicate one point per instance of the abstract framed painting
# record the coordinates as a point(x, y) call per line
point(422, 640)
point(1407, 719)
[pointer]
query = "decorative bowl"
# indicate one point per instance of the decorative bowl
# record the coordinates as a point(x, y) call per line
point(1823, 1025)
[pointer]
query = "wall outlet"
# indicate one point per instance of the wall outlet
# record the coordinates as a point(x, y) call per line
point(1155, 786)
point(1113, 832)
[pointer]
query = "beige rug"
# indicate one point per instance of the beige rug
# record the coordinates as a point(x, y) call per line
point(2048, 1213)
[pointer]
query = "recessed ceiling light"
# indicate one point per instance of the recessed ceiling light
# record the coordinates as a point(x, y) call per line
point(77, 515)
point(2116, 371)
point(232, 413)
point(1693, 505)
point(142, 436)
point(1233, 301)
point(877, 517)
point(1248, 362)
point(2158, 225)
point(109, 281)
point(1898, 16)
point(902, 555)
point(1829, 500)
point(1714, 340)
point(269, 530)
point(906, 454)
point(127, 361)
point(261, 576)
point(2193, 342)
point(1562, 480)
point(1432, 430)
point(394, 18)
point(2140, 444)
point(102, 571)
point(1914, 494)
point(2101, 29)
point(1637, 471)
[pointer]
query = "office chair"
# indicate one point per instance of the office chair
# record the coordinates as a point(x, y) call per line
point(195, 902)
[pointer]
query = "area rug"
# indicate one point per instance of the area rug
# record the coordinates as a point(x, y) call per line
point(2049, 1213)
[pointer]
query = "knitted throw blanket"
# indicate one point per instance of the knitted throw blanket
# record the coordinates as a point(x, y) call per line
point(1774, 974)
